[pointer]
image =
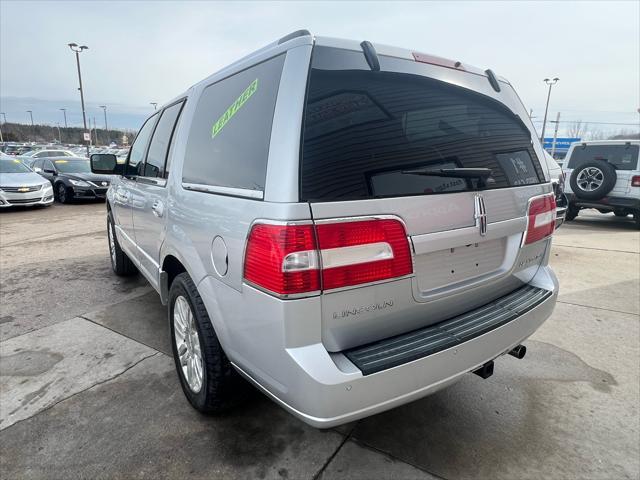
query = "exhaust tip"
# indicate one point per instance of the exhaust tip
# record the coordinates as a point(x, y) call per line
point(485, 371)
point(518, 351)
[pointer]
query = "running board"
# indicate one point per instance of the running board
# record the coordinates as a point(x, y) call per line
point(394, 351)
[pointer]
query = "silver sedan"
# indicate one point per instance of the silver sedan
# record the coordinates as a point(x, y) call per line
point(21, 186)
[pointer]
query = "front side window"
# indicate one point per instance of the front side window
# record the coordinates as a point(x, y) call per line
point(159, 147)
point(228, 143)
point(623, 157)
point(374, 134)
point(140, 145)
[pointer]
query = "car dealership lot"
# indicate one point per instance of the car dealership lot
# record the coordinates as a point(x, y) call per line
point(87, 388)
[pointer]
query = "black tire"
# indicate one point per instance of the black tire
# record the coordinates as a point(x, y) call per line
point(590, 174)
point(63, 194)
point(222, 387)
point(636, 217)
point(572, 213)
point(120, 262)
point(620, 213)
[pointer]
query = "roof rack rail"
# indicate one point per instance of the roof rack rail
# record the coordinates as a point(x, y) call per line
point(493, 80)
point(371, 56)
point(292, 35)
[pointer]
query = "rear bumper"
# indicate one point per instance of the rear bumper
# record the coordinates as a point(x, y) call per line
point(325, 390)
point(606, 203)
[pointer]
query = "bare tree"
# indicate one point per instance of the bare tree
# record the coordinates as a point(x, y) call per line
point(596, 134)
point(577, 129)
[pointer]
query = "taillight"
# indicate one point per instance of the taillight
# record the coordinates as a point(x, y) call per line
point(282, 258)
point(635, 181)
point(286, 260)
point(365, 251)
point(541, 218)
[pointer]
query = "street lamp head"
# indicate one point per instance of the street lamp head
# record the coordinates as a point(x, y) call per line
point(545, 80)
point(84, 47)
point(73, 45)
point(102, 106)
point(556, 79)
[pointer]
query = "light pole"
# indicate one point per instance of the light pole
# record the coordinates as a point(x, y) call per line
point(59, 134)
point(64, 112)
point(106, 125)
point(5, 121)
point(77, 49)
point(31, 115)
point(551, 83)
point(155, 105)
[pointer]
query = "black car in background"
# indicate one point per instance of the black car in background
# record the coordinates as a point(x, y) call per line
point(71, 178)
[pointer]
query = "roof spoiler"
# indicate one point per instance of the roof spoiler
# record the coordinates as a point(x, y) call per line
point(292, 35)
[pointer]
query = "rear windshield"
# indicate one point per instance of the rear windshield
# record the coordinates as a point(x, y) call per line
point(364, 131)
point(624, 157)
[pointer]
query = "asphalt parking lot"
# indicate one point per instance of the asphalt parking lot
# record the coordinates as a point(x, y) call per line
point(88, 390)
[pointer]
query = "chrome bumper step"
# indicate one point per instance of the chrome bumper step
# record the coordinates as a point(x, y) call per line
point(394, 351)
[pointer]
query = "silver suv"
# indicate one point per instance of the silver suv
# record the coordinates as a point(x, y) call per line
point(348, 227)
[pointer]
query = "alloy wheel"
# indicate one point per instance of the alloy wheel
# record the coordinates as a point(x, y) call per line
point(187, 341)
point(590, 179)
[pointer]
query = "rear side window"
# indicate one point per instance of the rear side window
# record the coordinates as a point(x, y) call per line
point(159, 146)
point(623, 157)
point(365, 131)
point(228, 142)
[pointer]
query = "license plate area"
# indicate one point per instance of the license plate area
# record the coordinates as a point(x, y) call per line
point(450, 266)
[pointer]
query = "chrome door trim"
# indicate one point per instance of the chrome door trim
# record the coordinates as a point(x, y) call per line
point(231, 191)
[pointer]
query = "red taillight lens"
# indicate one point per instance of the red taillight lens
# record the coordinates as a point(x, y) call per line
point(285, 259)
point(362, 252)
point(635, 181)
point(282, 258)
point(542, 219)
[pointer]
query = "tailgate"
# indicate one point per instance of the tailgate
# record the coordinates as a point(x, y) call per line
point(390, 143)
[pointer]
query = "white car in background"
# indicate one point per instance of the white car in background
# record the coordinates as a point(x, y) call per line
point(604, 175)
point(21, 186)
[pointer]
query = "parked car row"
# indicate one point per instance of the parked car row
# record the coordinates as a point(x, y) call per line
point(64, 178)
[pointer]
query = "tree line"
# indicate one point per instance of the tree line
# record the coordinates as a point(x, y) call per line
point(19, 132)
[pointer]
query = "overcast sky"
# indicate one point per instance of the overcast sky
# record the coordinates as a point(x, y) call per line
point(141, 52)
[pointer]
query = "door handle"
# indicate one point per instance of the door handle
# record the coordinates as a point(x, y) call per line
point(123, 196)
point(158, 208)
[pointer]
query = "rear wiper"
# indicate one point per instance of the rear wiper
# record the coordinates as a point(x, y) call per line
point(482, 174)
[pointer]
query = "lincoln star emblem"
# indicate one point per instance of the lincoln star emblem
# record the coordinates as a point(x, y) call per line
point(480, 214)
point(23, 189)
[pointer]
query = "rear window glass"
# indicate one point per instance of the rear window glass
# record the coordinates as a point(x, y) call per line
point(624, 157)
point(228, 142)
point(365, 131)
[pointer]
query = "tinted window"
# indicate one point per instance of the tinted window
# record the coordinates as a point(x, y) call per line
point(47, 165)
point(228, 142)
point(160, 142)
point(38, 164)
point(140, 145)
point(624, 157)
point(368, 134)
point(73, 166)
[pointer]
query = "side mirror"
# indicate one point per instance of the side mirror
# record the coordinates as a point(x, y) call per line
point(48, 170)
point(105, 164)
